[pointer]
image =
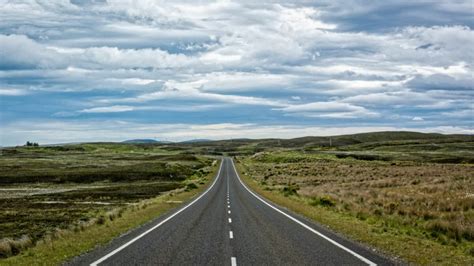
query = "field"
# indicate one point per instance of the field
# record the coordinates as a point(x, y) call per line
point(410, 189)
point(410, 195)
point(45, 191)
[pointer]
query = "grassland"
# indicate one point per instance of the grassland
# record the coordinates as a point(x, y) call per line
point(405, 197)
point(408, 194)
point(49, 192)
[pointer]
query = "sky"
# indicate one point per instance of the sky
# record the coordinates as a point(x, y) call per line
point(91, 70)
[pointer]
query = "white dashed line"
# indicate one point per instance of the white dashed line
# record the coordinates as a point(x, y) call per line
point(230, 220)
point(233, 261)
point(228, 212)
point(231, 235)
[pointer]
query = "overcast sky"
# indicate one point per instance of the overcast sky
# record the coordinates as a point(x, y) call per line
point(85, 70)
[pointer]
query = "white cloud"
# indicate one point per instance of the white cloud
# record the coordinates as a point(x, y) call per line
point(12, 92)
point(329, 110)
point(109, 109)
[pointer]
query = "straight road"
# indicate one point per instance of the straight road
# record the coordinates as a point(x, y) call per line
point(230, 225)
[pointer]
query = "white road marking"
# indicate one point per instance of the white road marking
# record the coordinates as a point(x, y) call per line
point(228, 206)
point(360, 257)
point(233, 261)
point(117, 250)
point(228, 212)
point(231, 234)
point(230, 220)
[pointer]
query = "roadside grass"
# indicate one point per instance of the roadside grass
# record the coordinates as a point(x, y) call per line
point(63, 245)
point(421, 213)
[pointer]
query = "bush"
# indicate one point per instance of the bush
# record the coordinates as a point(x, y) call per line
point(290, 190)
point(191, 186)
point(324, 201)
point(9, 247)
point(101, 220)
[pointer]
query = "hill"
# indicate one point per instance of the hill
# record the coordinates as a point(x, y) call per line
point(141, 141)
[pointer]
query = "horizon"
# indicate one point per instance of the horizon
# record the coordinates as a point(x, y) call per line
point(93, 70)
point(164, 140)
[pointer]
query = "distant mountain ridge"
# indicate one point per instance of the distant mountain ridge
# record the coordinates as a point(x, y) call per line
point(196, 140)
point(141, 141)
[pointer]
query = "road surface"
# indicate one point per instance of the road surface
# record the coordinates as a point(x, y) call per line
point(230, 225)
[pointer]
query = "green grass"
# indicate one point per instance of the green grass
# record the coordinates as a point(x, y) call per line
point(94, 162)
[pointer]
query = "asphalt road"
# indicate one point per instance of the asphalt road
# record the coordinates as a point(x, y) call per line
point(230, 225)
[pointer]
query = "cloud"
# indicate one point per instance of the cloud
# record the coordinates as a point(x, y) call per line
point(441, 82)
point(357, 15)
point(109, 109)
point(301, 63)
point(20, 52)
point(12, 92)
point(417, 118)
point(329, 110)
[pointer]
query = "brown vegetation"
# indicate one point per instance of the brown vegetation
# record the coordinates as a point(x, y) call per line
point(434, 201)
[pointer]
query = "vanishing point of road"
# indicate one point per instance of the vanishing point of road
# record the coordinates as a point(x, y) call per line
point(228, 224)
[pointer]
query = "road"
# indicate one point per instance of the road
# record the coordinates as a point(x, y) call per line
point(230, 225)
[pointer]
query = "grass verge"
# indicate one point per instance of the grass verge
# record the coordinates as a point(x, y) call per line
point(69, 243)
point(391, 242)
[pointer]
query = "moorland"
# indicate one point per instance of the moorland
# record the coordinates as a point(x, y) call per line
point(410, 195)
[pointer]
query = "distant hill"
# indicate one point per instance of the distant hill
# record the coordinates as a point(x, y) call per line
point(140, 141)
point(196, 141)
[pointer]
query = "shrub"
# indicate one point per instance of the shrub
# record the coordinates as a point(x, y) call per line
point(324, 201)
point(5, 248)
point(290, 190)
point(100, 220)
point(191, 186)
point(9, 247)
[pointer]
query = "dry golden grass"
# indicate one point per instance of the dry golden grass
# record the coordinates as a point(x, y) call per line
point(430, 201)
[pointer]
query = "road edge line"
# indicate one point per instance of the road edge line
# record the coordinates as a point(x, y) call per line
point(117, 250)
point(353, 253)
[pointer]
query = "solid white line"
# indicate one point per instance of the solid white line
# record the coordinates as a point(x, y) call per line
point(231, 235)
point(304, 225)
point(115, 251)
point(233, 261)
point(230, 220)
